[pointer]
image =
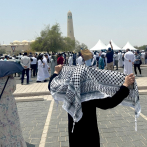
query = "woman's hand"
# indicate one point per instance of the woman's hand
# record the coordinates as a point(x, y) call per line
point(58, 69)
point(129, 80)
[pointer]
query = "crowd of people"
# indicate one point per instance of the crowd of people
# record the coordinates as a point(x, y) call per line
point(38, 65)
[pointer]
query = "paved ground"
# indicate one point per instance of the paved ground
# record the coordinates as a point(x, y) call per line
point(44, 126)
point(116, 125)
point(32, 117)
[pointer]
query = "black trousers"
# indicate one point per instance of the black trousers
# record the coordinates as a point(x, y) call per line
point(65, 60)
point(74, 62)
point(23, 73)
point(34, 69)
point(135, 66)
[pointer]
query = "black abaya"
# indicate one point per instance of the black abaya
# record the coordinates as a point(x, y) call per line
point(86, 132)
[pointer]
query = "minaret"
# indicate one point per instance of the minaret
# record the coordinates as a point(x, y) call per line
point(70, 30)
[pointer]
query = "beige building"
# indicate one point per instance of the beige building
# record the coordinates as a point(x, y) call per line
point(17, 45)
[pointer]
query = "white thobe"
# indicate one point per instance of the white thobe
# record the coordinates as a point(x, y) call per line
point(70, 60)
point(40, 74)
point(128, 65)
point(120, 61)
point(80, 61)
point(46, 73)
point(94, 57)
point(106, 61)
point(30, 75)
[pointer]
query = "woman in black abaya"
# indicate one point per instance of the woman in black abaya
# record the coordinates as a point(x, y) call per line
point(86, 132)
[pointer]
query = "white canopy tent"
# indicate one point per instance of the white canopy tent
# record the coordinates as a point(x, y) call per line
point(99, 46)
point(115, 47)
point(129, 46)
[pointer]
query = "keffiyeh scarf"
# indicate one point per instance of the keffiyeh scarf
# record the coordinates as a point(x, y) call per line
point(77, 84)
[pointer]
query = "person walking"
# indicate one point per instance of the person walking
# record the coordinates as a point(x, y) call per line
point(70, 60)
point(74, 58)
point(25, 62)
point(60, 59)
point(41, 66)
point(67, 57)
point(116, 60)
point(53, 63)
point(46, 67)
point(93, 61)
point(143, 57)
point(34, 65)
point(109, 56)
point(80, 60)
point(6, 58)
point(30, 71)
point(137, 62)
point(129, 58)
point(146, 57)
point(64, 56)
point(17, 60)
point(86, 132)
point(10, 128)
point(101, 62)
point(120, 61)
point(123, 54)
point(105, 59)
point(113, 60)
point(97, 59)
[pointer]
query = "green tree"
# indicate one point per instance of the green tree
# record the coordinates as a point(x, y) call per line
point(143, 47)
point(51, 40)
point(69, 44)
point(78, 46)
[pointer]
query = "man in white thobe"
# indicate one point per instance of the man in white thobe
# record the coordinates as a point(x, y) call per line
point(129, 59)
point(70, 60)
point(143, 57)
point(46, 68)
point(120, 62)
point(80, 60)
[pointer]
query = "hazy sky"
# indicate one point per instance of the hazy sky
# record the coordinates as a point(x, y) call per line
point(119, 20)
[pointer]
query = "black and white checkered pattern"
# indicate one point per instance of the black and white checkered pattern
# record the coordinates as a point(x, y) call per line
point(75, 81)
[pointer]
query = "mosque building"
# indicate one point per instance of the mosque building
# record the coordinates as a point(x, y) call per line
point(17, 45)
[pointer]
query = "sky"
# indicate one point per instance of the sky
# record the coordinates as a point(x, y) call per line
point(119, 20)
